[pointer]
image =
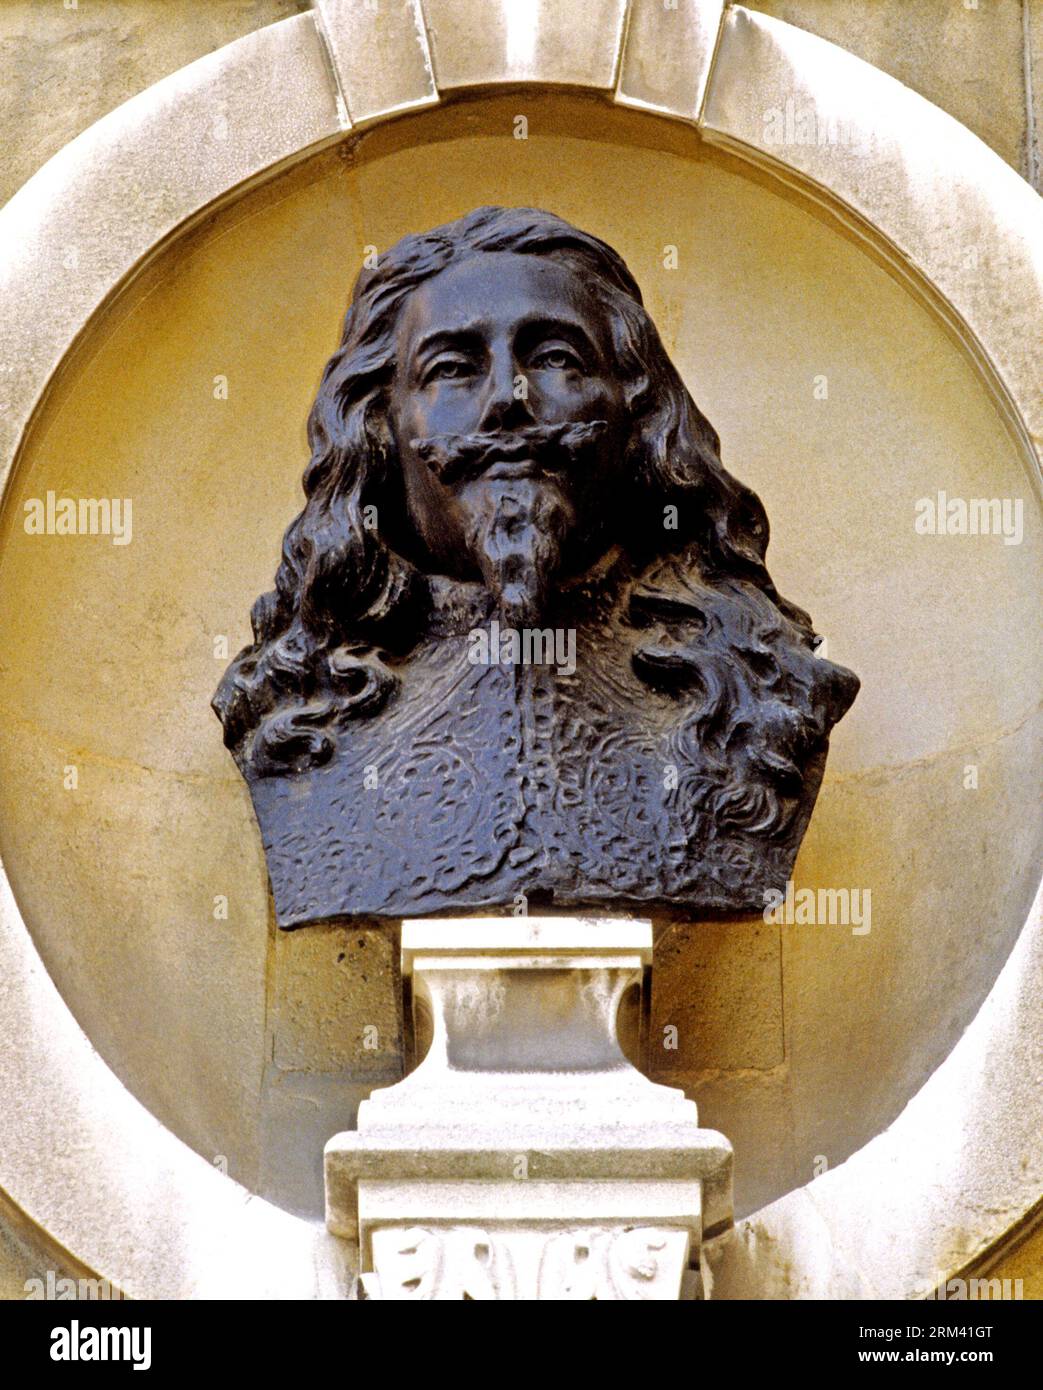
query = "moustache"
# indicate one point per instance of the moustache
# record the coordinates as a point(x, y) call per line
point(456, 457)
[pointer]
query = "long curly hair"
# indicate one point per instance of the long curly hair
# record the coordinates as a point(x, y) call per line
point(347, 604)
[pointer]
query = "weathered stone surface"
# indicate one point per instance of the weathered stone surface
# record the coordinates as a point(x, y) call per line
point(507, 1263)
point(1033, 58)
point(965, 57)
point(334, 1032)
point(553, 42)
point(524, 1157)
point(380, 56)
point(931, 1194)
point(667, 53)
point(334, 1006)
point(716, 998)
point(63, 67)
point(764, 95)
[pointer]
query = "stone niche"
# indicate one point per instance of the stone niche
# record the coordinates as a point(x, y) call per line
point(839, 395)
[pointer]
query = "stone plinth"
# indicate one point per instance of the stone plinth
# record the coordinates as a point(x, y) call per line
point(525, 1158)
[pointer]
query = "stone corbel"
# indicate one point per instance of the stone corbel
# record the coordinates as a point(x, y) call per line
point(525, 1157)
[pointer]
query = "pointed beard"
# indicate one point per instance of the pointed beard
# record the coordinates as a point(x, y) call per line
point(516, 532)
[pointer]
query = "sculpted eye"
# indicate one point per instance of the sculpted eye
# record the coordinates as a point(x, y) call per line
point(448, 369)
point(558, 358)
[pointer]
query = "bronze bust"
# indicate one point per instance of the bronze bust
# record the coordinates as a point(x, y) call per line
point(522, 642)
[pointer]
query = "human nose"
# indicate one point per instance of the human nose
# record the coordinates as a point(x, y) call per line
point(502, 407)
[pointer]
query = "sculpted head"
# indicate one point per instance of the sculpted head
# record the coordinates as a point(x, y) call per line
point(501, 412)
point(510, 425)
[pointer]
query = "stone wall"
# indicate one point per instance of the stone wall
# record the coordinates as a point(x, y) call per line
point(65, 63)
point(980, 60)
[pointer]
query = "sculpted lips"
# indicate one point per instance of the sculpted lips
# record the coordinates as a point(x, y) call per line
point(517, 468)
point(520, 453)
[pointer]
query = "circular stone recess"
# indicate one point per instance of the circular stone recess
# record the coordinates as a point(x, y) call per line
point(844, 387)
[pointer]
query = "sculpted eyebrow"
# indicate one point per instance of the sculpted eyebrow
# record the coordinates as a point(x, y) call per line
point(533, 331)
point(467, 339)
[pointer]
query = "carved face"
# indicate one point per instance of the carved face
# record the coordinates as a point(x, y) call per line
point(494, 346)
